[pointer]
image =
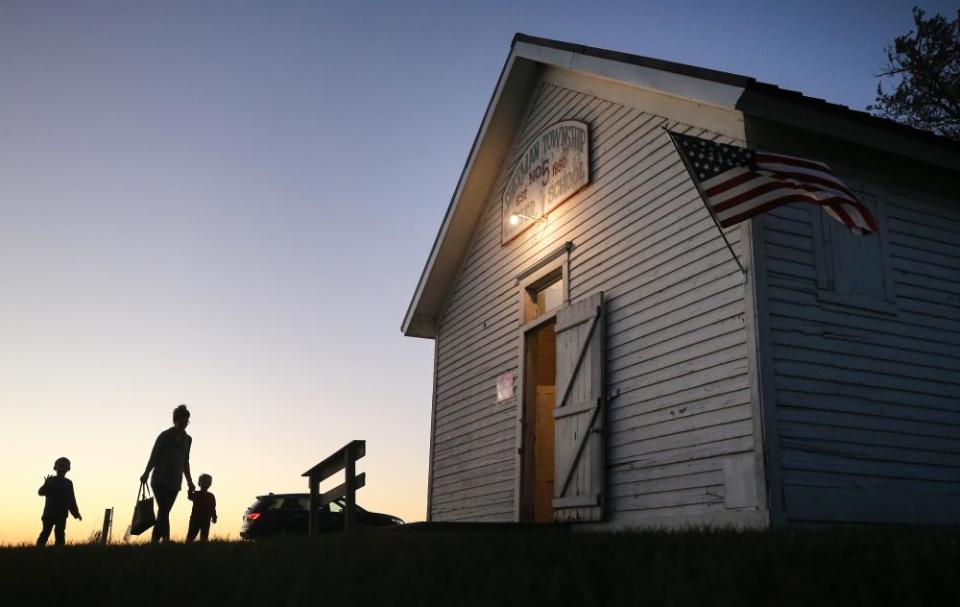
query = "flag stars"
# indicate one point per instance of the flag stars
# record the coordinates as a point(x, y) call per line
point(708, 159)
point(724, 164)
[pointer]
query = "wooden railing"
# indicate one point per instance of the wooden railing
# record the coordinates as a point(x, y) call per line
point(343, 459)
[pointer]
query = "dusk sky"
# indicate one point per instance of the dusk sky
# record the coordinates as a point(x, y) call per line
point(228, 204)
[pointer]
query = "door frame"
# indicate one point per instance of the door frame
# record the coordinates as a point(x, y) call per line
point(556, 261)
point(527, 401)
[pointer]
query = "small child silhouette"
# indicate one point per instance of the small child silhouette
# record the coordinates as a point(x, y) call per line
point(60, 500)
point(204, 510)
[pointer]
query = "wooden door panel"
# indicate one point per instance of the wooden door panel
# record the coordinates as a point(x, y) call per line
point(579, 462)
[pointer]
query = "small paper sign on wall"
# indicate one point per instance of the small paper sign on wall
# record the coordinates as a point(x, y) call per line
point(505, 386)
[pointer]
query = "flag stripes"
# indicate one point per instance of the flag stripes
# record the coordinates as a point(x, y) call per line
point(738, 183)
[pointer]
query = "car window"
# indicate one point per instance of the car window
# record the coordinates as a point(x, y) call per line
point(336, 507)
point(293, 503)
point(304, 503)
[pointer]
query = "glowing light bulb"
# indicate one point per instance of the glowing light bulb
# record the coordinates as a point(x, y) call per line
point(514, 219)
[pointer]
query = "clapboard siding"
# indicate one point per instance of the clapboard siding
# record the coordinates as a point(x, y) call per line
point(868, 404)
point(676, 343)
point(470, 298)
point(522, 249)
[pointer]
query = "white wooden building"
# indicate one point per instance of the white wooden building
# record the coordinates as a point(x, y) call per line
point(604, 359)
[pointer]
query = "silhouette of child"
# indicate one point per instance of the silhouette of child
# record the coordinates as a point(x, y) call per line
point(60, 500)
point(204, 510)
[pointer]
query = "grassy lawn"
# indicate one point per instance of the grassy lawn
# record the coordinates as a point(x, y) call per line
point(840, 566)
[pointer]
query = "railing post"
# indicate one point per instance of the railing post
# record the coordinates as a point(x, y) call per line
point(107, 525)
point(351, 490)
point(314, 504)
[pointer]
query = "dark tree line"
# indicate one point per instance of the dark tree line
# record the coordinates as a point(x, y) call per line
point(924, 65)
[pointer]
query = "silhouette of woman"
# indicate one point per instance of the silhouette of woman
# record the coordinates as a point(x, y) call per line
point(170, 462)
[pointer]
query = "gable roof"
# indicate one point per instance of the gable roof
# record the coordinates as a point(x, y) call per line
point(529, 54)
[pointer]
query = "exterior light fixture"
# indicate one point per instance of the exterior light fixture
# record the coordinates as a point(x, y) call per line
point(516, 217)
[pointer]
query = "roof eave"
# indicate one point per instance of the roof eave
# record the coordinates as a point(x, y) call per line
point(771, 103)
point(486, 154)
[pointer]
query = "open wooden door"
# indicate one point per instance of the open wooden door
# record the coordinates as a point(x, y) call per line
point(579, 464)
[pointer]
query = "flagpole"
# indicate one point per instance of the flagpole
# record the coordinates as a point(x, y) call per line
point(703, 199)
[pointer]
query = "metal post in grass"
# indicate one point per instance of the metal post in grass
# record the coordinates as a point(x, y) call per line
point(107, 526)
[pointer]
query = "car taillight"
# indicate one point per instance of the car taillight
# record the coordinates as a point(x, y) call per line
point(253, 516)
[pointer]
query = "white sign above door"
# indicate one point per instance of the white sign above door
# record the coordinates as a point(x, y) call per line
point(551, 169)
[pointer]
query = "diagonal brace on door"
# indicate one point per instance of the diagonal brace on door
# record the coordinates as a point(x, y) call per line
point(580, 357)
point(581, 442)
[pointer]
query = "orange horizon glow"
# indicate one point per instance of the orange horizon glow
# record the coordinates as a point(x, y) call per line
point(235, 488)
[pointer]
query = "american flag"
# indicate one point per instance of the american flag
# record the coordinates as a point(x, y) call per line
point(738, 183)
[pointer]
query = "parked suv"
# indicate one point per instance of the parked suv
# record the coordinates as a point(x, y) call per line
point(286, 514)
